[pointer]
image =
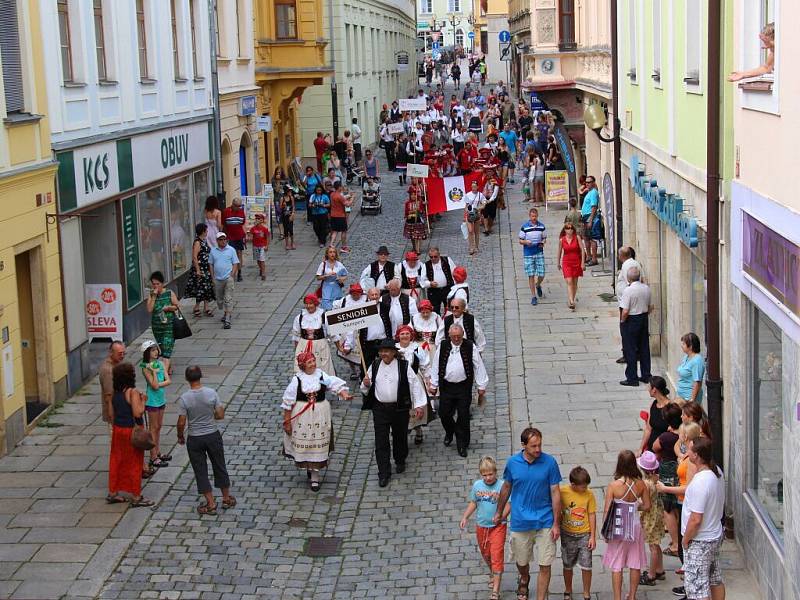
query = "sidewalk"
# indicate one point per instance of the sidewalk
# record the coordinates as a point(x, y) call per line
point(563, 379)
point(57, 534)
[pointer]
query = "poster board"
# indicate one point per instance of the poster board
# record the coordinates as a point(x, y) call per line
point(254, 205)
point(414, 170)
point(411, 104)
point(104, 310)
point(556, 188)
point(395, 128)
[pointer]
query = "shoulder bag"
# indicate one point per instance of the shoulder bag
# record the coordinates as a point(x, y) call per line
point(141, 438)
point(180, 327)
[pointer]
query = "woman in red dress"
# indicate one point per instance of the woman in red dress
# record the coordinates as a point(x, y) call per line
point(571, 256)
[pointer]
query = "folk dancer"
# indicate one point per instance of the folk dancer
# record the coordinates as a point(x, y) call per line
point(438, 278)
point(370, 337)
point(413, 353)
point(460, 288)
point(400, 306)
point(310, 334)
point(380, 272)
point(458, 315)
point(412, 275)
point(426, 324)
point(349, 351)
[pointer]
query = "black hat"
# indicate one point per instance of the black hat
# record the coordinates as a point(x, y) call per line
point(387, 344)
point(382, 250)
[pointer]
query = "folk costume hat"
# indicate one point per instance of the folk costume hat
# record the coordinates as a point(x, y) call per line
point(411, 255)
point(311, 298)
point(355, 288)
point(387, 344)
point(403, 328)
point(425, 305)
point(303, 358)
point(382, 250)
point(459, 274)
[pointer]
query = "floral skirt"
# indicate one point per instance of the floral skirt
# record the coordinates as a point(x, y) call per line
point(415, 231)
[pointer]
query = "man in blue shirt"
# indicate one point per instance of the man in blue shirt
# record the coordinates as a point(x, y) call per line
point(589, 209)
point(531, 481)
point(224, 266)
point(510, 138)
point(532, 237)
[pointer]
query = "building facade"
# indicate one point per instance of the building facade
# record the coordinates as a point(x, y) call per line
point(235, 56)
point(374, 56)
point(31, 314)
point(130, 102)
point(290, 57)
point(491, 16)
point(446, 22)
point(763, 324)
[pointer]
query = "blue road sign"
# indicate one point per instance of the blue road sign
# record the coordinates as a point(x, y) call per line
point(435, 46)
point(471, 35)
point(504, 36)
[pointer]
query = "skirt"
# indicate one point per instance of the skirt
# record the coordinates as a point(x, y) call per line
point(415, 231)
point(200, 287)
point(321, 351)
point(489, 211)
point(621, 555)
point(311, 441)
point(124, 463)
point(428, 416)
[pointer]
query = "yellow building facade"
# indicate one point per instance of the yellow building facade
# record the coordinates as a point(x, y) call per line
point(290, 50)
point(32, 343)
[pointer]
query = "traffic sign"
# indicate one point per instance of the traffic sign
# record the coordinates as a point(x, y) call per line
point(504, 36)
point(436, 55)
point(435, 46)
point(471, 35)
point(505, 51)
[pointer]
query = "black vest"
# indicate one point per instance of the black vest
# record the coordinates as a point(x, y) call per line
point(403, 388)
point(468, 321)
point(466, 351)
point(303, 397)
point(318, 333)
point(466, 291)
point(404, 282)
point(375, 271)
point(445, 269)
point(383, 311)
point(387, 302)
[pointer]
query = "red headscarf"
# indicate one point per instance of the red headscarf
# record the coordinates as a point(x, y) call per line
point(425, 305)
point(303, 358)
point(403, 328)
point(459, 274)
point(311, 298)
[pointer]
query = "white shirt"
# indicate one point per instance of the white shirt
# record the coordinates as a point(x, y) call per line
point(414, 349)
point(454, 369)
point(458, 136)
point(387, 379)
point(480, 337)
point(427, 327)
point(438, 273)
point(705, 495)
point(418, 271)
point(474, 200)
point(310, 383)
point(385, 135)
point(313, 320)
point(459, 290)
point(396, 311)
point(622, 276)
point(356, 133)
point(382, 281)
point(636, 299)
point(349, 301)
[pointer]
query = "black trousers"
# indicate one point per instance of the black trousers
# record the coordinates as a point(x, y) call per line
point(321, 227)
point(369, 350)
point(438, 297)
point(390, 156)
point(357, 152)
point(454, 399)
point(200, 447)
point(387, 420)
point(636, 345)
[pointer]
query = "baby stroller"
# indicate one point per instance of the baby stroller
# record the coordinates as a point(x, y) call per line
point(371, 196)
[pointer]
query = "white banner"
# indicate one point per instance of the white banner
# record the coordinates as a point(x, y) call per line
point(394, 128)
point(164, 152)
point(343, 320)
point(409, 104)
point(454, 193)
point(414, 170)
point(104, 310)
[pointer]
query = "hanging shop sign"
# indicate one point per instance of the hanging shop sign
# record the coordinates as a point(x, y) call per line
point(130, 245)
point(165, 152)
point(104, 310)
point(608, 205)
point(667, 207)
point(247, 106)
point(556, 187)
point(264, 123)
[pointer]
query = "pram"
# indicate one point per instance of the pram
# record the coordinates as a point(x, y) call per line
point(371, 199)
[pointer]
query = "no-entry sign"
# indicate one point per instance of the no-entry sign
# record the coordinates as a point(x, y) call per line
point(342, 320)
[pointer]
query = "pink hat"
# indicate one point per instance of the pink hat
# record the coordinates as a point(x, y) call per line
point(647, 461)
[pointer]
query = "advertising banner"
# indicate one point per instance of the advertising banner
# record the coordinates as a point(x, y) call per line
point(556, 187)
point(409, 104)
point(104, 310)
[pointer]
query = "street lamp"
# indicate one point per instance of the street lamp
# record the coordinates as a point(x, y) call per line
point(472, 20)
point(595, 118)
point(454, 21)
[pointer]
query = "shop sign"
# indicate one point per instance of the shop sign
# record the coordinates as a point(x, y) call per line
point(608, 204)
point(130, 244)
point(264, 123)
point(247, 106)
point(565, 148)
point(772, 261)
point(402, 60)
point(556, 185)
point(162, 153)
point(104, 310)
point(88, 175)
point(667, 207)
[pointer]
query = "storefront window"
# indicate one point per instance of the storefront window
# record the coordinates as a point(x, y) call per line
point(180, 224)
point(768, 418)
point(202, 189)
point(151, 229)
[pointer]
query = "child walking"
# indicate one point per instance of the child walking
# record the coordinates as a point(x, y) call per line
point(652, 520)
point(578, 529)
point(491, 538)
point(260, 234)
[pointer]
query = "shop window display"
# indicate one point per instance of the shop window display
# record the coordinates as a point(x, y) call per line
point(202, 190)
point(151, 229)
point(767, 419)
point(180, 224)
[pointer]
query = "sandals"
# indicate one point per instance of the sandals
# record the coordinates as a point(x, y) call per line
point(196, 312)
point(148, 472)
point(205, 509)
point(315, 486)
point(141, 501)
point(522, 589)
point(645, 579)
point(115, 499)
point(209, 312)
point(567, 595)
point(669, 552)
point(165, 458)
point(157, 463)
point(229, 503)
point(494, 596)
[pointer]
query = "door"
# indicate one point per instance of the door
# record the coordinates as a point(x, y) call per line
point(27, 335)
point(242, 171)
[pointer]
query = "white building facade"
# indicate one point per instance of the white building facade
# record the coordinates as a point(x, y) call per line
point(130, 105)
point(444, 21)
point(374, 59)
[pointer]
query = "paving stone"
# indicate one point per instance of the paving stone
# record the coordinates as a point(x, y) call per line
point(37, 589)
point(17, 552)
point(70, 553)
point(49, 572)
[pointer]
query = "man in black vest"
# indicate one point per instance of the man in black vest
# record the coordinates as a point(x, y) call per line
point(458, 315)
point(401, 307)
point(371, 337)
point(456, 366)
point(390, 390)
point(438, 278)
point(380, 272)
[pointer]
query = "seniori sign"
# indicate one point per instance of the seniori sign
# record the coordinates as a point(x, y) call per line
point(342, 320)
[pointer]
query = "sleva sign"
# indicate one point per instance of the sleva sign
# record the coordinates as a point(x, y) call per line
point(667, 207)
point(162, 153)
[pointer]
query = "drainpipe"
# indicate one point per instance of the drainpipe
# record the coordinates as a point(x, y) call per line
point(616, 135)
point(212, 20)
point(334, 95)
point(713, 178)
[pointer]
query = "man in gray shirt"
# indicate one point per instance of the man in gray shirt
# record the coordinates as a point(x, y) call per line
point(201, 407)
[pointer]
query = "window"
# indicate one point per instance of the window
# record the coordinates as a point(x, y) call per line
point(192, 25)
point(151, 233)
point(176, 57)
point(454, 6)
point(767, 16)
point(426, 7)
point(202, 190)
point(767, 418)
point(656, 75)
point(286, 19)
point(566, 21)
point(100, 41)
point(347, 43)
point(632, 42)
point(66, 41)
point(459, 37)
point(11, 58)
point(694, 48)
point(240, 34)
point(180, 224)
point(141, 37)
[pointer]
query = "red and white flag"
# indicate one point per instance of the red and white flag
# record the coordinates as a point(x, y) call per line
point(447, 193)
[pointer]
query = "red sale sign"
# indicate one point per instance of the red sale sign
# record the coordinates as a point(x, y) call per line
point(104, 310)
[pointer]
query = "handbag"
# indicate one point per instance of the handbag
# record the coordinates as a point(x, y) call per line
point(608, 521)
point(141, 438)
point(180, 327)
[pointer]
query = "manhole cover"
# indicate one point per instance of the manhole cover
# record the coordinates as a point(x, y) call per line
point(332, 499)
point(297, 522)
point(323, 546)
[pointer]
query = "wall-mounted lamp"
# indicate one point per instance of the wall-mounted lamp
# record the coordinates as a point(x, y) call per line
point(595, 118)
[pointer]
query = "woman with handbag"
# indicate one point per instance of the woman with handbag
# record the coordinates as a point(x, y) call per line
point(622, 528)
point(162, 304)
point(474, 201)
point(331, 274)
point(128, 439)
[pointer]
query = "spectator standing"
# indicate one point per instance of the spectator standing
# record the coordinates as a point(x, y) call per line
point(234, 219)
point(531, 483)
point(260, 234)
point(320, 203)
point(691, 370)
point(213, 216)
point(156, 379)
point(652, 519)
point(510, 138)
point(627, 259)
point(340, 205)
point(355, 129)
point(199, 407)
point(578, 529)
point(655, 424)
point(532, 238)
point(224, 266)
point(162, 304)
point(116, 354)
point(288, 210)
point(589, 212)
point(636, 306)
point(321, 144)
point(664, 448)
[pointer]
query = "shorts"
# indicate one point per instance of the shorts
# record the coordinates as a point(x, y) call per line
point(534, 265)
point(237, 245)
point(701, 564)
point(522, 544)
point(153, 409)
point(223, 289)
point(260, 253)
point(575, 549)
point(338, 223)
point(538, 179)
point(491, 543)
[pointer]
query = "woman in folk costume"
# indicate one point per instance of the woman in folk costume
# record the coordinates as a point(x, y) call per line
point(310, 334)
point(426, 323)
point(307, 426)
point(420, 363)
point(347, 349)
point(461, 287)
point(414, 228)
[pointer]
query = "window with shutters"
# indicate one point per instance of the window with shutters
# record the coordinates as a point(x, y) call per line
point(141, 38)
point(566, 25)
point(100, 41)
point(176, 55)
point(67, 73)
point(192, 26)
point(656, 75)
point(286, 19)
point(694, 48)
point(11, 57)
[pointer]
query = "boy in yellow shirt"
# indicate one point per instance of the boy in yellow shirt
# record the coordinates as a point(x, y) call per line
point(578, 529)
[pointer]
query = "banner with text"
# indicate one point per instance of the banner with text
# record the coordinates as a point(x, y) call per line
point(343, 320)
point(104, 310)
point(409, 104)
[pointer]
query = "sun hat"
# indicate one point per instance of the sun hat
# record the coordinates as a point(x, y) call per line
point(647, 461)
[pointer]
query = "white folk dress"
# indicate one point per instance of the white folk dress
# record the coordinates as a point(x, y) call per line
point(311, 335)
point(423, 374)
point(311, 440)
point(426, 332)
